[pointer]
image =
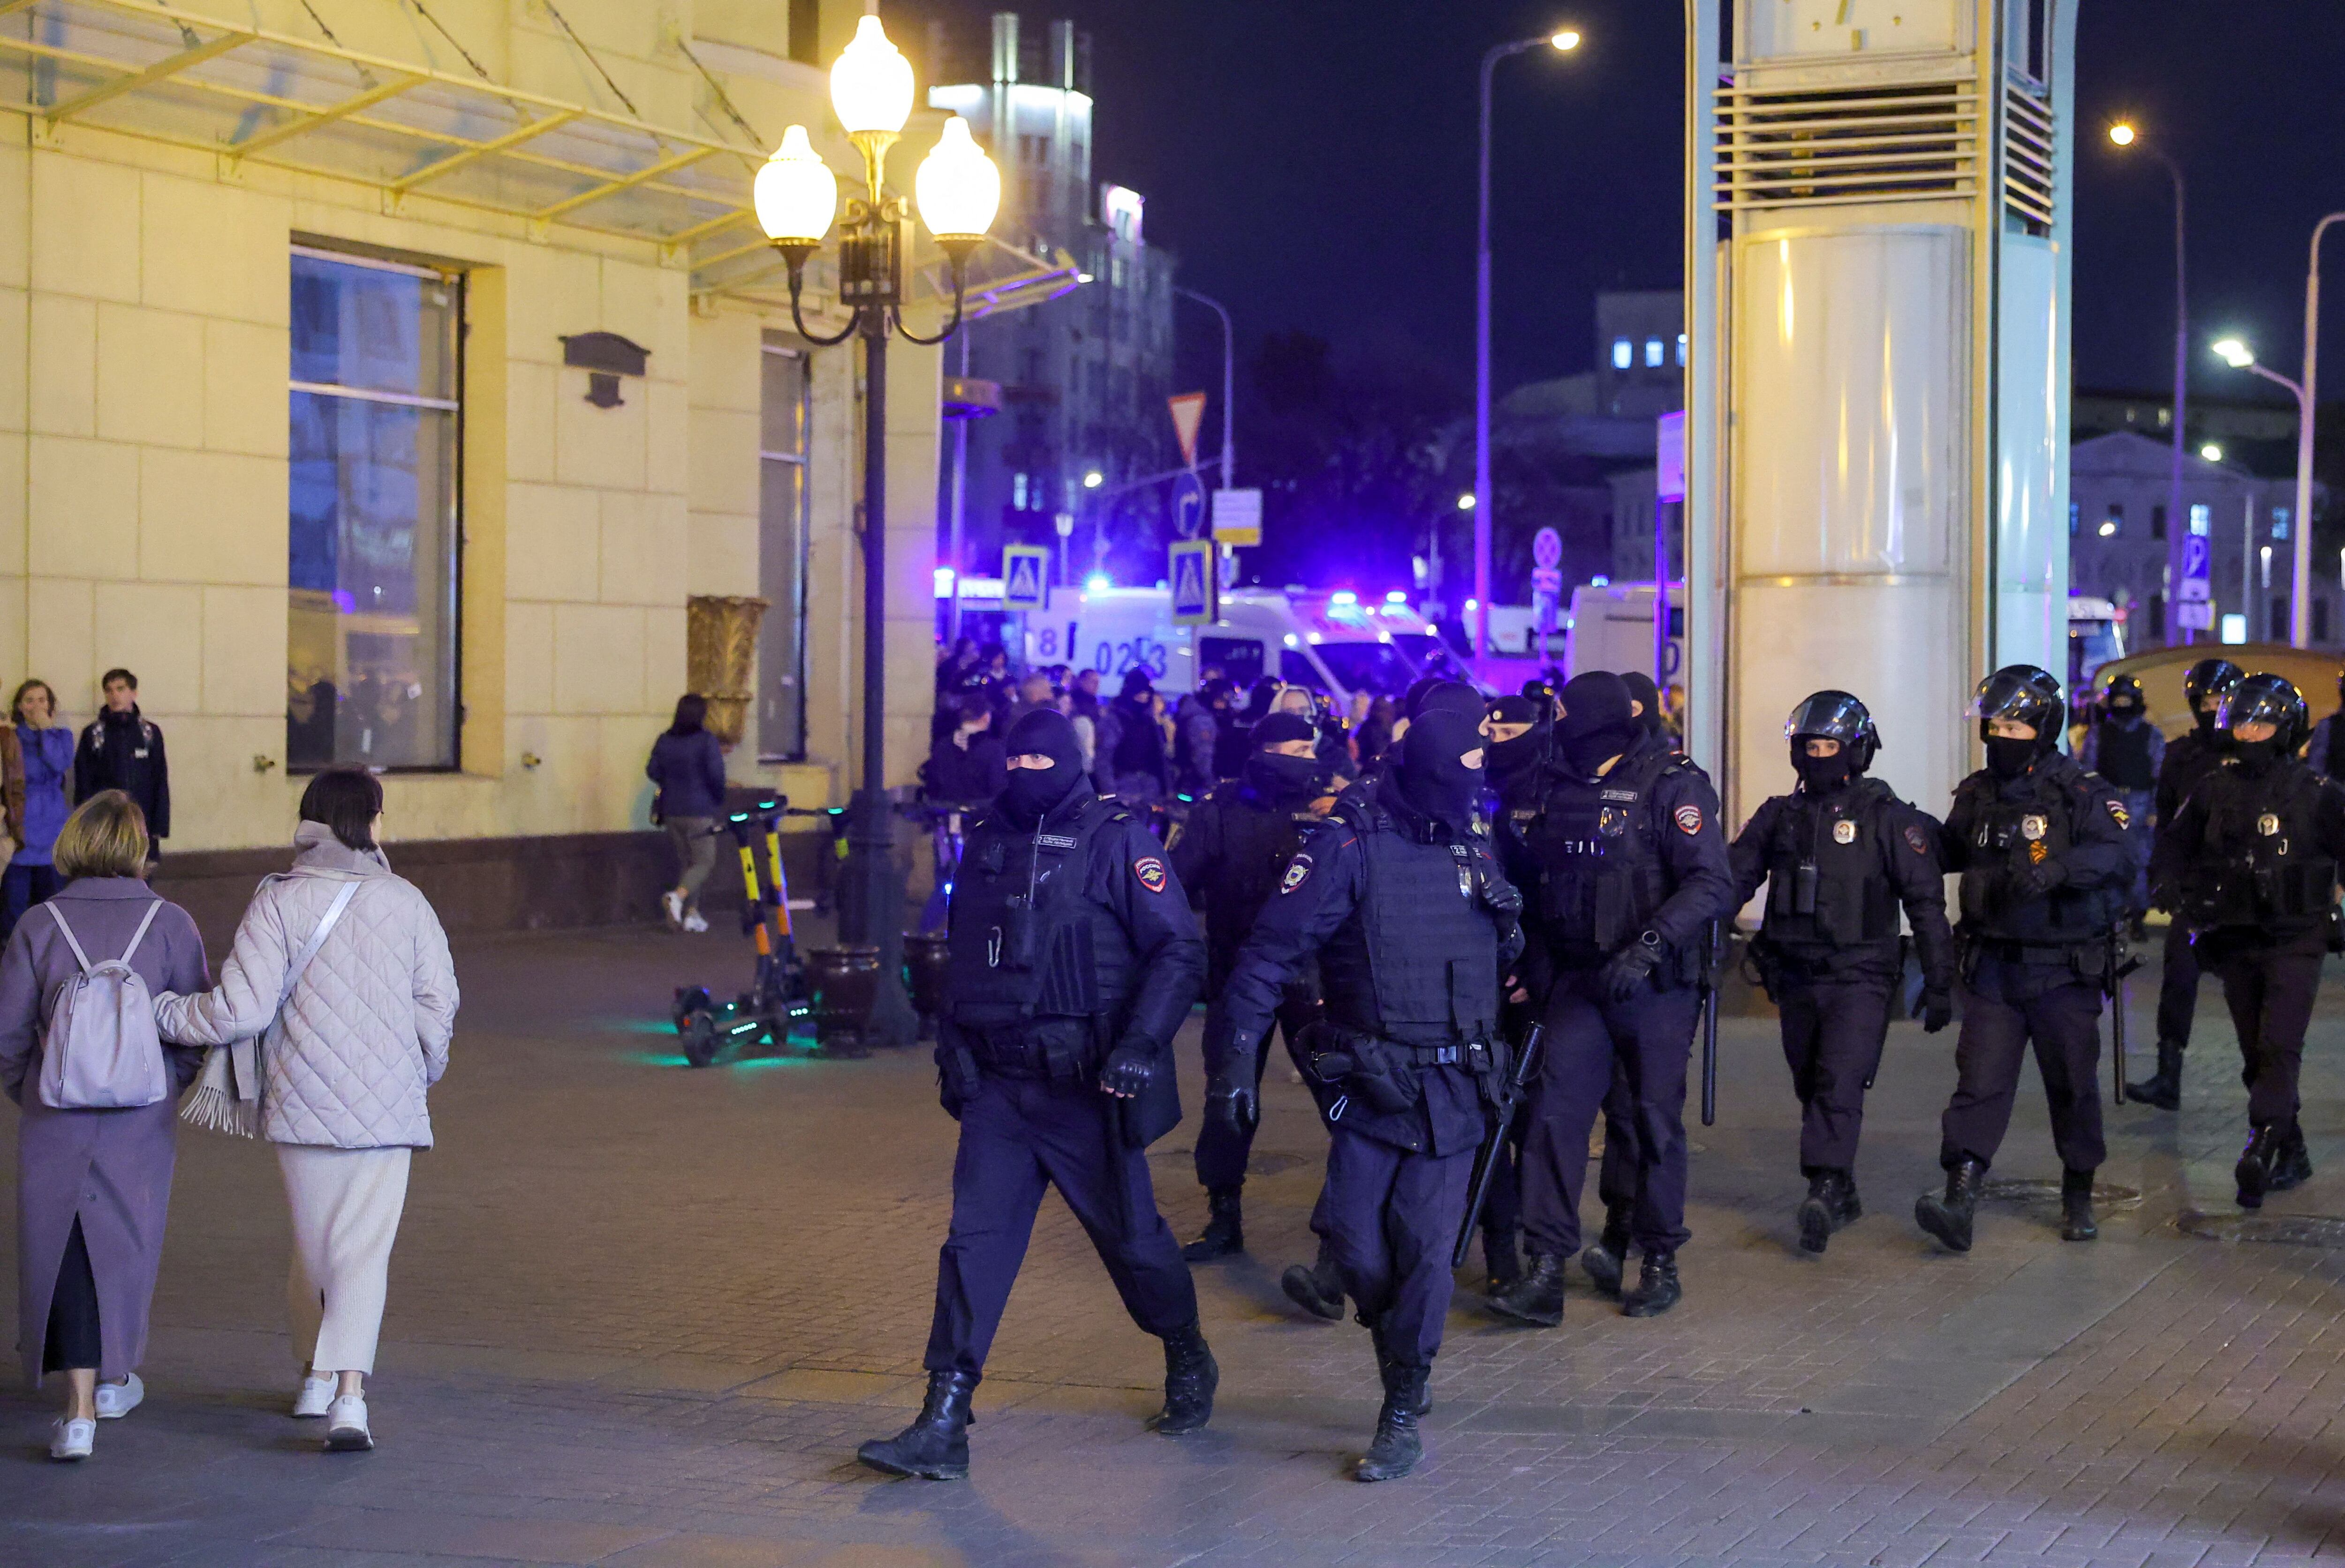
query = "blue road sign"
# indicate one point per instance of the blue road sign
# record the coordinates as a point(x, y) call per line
point(1025, 577)
point(2195, 565)
point(1188, 505)
point(1194, 600)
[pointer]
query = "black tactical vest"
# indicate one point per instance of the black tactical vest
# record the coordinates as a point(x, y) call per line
point(1421, 967)
point(2004, 837)
point(1257, 840)
point(1597, 844)
point(1828, 886)
point(2121, 754)
point(2260, 863)
point(1032, 941)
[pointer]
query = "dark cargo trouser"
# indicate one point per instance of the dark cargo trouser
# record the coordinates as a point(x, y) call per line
point(1834, 1031)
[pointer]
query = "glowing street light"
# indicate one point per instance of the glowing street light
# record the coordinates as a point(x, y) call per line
point(1093, 479)
point(1466, 501)
point(2122, 134)
point(2126, 137)
point(1564, 42)
point(2236, 354)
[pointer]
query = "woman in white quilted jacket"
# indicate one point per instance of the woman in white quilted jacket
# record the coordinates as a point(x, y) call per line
point(361, 1033)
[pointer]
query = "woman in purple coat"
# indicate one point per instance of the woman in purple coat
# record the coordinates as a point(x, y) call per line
point(93, 1187)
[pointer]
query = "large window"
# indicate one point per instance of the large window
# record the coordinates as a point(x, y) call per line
point(377, 424)
point(781, 547)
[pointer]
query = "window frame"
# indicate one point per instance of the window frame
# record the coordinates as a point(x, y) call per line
point(780, 345)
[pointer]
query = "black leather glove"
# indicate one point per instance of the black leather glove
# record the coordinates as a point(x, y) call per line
point(1938, 1011)
point(1131, 1069)
point(1631, 966)
point(1231, 1103)
point(2038, 878)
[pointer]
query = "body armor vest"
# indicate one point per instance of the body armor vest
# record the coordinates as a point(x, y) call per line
point(1599, 866)
point(1418, 961)
point(1258, 839)
point(2260, 863)
point(1828, 887)
point(2121, 754)
point(2006, 834)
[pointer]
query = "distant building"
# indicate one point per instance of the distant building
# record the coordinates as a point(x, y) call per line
point(1083, 378)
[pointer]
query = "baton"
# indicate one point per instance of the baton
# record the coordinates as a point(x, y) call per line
point(2120, 966)
point(1486, 1159)
point(1710, 1030)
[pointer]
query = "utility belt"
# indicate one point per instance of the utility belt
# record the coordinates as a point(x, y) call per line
point(1044, 1047)
point(1342, 1064)
point(2087, 960)
point(1781, 967)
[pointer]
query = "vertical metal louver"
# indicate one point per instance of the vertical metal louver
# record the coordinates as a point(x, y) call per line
point(2028, 147)
point(1914, 141)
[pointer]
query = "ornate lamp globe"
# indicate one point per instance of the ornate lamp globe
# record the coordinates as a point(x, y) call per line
point(796, 194)
point(871, 85)
point(959, 190)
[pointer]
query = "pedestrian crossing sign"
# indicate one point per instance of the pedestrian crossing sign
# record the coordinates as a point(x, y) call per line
point(1195, 586)
point(1025, 577)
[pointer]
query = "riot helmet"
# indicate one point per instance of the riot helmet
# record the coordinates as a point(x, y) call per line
point(2027, 694)
point(2267, 698)
point(2213, 677)
point(1836, 716)
point(2123, 698)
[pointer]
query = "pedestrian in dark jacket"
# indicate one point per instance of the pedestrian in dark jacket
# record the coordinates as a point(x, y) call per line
point(687, 766)
point(46, 748)
point(1136, 765)
point(966, 767)
point(122, 749)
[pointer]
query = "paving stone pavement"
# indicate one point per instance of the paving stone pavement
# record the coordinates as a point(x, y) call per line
point(640, 1316)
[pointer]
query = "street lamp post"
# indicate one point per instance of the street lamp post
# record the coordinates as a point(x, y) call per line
point(2300, 601)
point(957, 190)
point(2123, 135)
point(2239, 357)
point(1562, 42)
point(1229, 376)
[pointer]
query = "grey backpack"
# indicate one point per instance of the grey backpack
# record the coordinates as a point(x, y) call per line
point(100, 1050)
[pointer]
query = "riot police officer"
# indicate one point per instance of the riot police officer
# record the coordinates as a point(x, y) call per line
point(2253, 856)
point(2041, 847)
point(2189, 757)
point(1839, 855)
point(1415, 927)
point(1230, 855)
point(2127, 751)
point(1074, 958)
point(1629, 866)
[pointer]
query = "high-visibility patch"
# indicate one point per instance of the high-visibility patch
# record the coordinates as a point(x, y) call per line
point(1298, 870)
point(1152, 874)
point(1917, 841)
point(2118, 814)
point(1689, 819)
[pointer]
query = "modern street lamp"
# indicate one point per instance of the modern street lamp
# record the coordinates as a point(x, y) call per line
point(2301, 608)
point(2234, 353)
point(1563, 43)
point(1229, 376)
point(2125, 134)
point(957, 190)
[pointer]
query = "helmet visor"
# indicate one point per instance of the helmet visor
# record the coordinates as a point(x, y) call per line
point(2005, 696)
point(1829, 716)
point(2252, 702)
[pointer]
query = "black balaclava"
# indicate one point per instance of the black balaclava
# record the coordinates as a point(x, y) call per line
point(1821, 775)
point(1642, 688)
point(1030, 794)
point(1455, 696)
point(1433, 780)
point(1136, 685)
point(1415, 694)
point(2256, 758)
point(2205, 719)
point(1281, 778)
point(1597, 725)
point(1511, 761)
point(2010, 759)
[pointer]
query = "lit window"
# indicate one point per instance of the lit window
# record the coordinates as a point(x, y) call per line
point(785, 399)
point(2279, 522)
point(2201, 518)
point(1681, 348)
point(1624, 353)
point(1018, 491)
point(1652, 353)
point(374, 528)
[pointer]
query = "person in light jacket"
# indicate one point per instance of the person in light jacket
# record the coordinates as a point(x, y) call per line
point(93, 1187)
point(363, 1033)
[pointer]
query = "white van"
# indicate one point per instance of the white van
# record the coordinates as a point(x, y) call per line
point(1325, 643)
point(1612, 629)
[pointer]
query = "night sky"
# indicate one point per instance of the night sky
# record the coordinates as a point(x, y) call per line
point(1312, 161)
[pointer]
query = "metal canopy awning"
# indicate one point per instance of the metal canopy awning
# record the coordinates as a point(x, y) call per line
point(132, 68)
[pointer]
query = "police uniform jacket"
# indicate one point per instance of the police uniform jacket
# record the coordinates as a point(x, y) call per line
point(1837, 866)
point(2253, 861)
point(1068, 942)
point(1416, 929)
point(1230, 855)
point(2055, 814)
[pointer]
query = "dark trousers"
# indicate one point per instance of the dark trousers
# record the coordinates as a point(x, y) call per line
point(1616, 1173)
point(1502, 1207)
point(1018, 1136)
point(1650, 1036)
point(2269, 991)
point(73, 1339)
point(2177, 987)
point(1221, 1150)
point(1392, 1217)
point(20, 887)
point(2064, 1024)
point(1834, 1031)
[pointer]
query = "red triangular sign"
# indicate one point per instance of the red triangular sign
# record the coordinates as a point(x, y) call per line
point(1188, 413)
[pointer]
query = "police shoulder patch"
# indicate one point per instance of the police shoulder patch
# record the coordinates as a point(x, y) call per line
point(1150, 872)
point(2117, 812)
point(1917, 841)
point(1298, 870)
point(1689, 819)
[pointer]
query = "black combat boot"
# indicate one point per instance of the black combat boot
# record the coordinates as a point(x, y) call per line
point(1607, 1261)
point(2254, 1172)
point(1317, 1289)
point(1537, 1298)
point(1847, 1206)
point(1397, 1447)
point(1949, 1217)
point(1225, 1232)
point(2292, 1166)
point(1191, 1376)
point(935, 1447)
point(1505, 1263)
point(2162, 1088)
point(1815, 1213)
point(2077, 1221)
point(1657, 1287)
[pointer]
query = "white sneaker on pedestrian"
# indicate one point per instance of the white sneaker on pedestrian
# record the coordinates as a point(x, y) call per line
point(71, 1439)
point(116, 1401)
point(316, 1397)
point(673, 902)
point(346, 1425)
point(693, 922)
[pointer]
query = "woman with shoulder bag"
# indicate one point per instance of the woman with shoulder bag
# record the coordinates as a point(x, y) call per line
point(346, 969)
point(93, 1183)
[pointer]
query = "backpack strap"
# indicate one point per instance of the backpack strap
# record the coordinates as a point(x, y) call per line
point(317, 940)
point(80, 957)
point(140, 934)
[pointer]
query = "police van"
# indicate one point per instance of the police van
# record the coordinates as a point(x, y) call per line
point(1612, 629)
point(1322, 641)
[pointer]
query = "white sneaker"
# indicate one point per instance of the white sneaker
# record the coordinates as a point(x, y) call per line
point(317, 1396)
point(673, 902)
point(116, 1401)
point(71, 1439)
point(693, 922)
point(346, 1425)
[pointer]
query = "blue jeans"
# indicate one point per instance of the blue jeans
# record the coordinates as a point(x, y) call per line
point(20, 887)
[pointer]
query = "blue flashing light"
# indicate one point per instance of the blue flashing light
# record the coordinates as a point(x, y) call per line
point(1599, 583)
point(1397, 597)
point(1343, 596)
point(1098, 582)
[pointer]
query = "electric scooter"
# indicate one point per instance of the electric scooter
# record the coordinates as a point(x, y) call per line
point(777, 994)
